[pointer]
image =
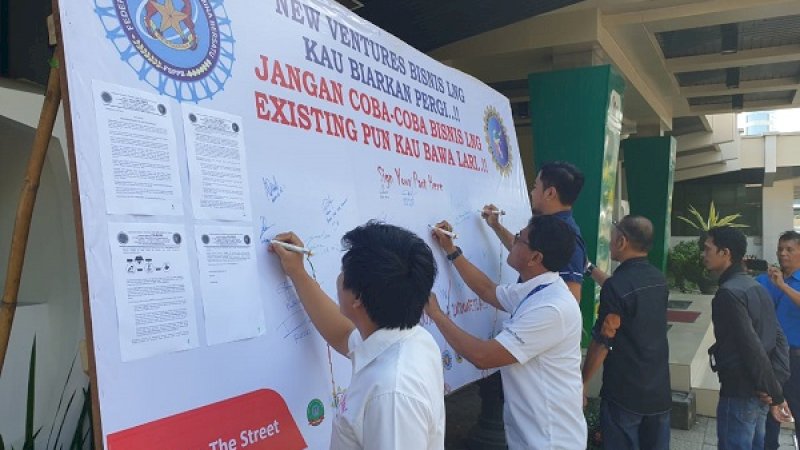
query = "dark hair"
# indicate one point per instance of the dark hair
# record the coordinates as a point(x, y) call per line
point(565, 177)
point(732, 239)
point(553, 238)
point(790, 235)
point(391, 270)
point(638, 230)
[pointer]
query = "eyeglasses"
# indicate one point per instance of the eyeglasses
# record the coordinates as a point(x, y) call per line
point(518, 238)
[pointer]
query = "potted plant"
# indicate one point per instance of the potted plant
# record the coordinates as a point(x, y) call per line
point(685, 260)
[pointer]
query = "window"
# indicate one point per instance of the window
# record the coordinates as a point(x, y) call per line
point(728, 199)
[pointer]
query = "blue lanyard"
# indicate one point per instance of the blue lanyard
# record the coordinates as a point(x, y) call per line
point(535, 290)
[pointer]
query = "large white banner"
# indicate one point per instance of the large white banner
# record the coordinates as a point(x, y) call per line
point(202, 128)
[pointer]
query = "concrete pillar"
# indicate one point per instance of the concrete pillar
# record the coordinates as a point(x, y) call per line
point(777, 215)
point(649, 169)
point(571, 60)
point(576, 116)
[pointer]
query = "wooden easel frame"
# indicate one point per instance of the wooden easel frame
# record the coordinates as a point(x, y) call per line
point(27, 200)
point(97, 429)
point(56, 93)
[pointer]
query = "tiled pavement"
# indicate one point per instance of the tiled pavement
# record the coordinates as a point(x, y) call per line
point(703, 436)
point(463, 408)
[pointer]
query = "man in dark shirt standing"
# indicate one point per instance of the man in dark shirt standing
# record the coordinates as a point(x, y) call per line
point(745, 328)
point(630, 340)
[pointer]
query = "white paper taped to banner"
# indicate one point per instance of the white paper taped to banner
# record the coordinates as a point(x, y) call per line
point(226, 123)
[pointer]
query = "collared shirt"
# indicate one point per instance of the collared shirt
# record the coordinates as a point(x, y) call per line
point(543, 391)
point(574, 270)
point(788, 313)
point(632, 323)
point(396, 395)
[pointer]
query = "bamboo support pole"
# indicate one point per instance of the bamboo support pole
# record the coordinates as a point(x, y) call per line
point(27, 199)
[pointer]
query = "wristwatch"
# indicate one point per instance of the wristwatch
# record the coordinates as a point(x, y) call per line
point(455, 254)
point(589, 269)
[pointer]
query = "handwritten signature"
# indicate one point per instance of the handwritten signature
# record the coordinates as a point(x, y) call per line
point(331, 209)
point(297, 324)
point(321, 244)
point(408, 197)
point(272, 188)
point(464, 216)
point(263, 232)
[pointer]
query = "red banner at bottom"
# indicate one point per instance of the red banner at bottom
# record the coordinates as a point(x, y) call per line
point(259, 420)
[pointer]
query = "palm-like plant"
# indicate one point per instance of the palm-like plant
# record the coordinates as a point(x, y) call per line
point(698, 222)
point(689, 266)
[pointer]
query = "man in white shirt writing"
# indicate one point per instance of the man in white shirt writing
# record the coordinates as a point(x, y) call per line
point(538, 350)
point(396, 396)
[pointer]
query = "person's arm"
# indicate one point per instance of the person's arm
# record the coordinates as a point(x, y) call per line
point(575, 289)
point(493, 220)
point(324, 313)
point(598, 275)
point(595, 357)
point(781, 413)
point(776, 277)
point(733, 311)
point(575, 271)
point(482, 354)
point(603, 334)
point(475, 279)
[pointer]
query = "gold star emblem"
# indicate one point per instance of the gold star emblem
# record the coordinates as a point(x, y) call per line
point(170, 17)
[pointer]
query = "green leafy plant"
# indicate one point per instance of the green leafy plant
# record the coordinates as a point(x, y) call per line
point(685, 261)
point(703, 224)
point(592, 415)
point(30, 435)
point(81, 436)
point(685, 266)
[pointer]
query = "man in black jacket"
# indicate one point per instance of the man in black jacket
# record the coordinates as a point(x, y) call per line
point(745, 327)
point(630, 340)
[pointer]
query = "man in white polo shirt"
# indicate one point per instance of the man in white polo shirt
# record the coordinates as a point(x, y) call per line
point(395, 400)
point(538, 350)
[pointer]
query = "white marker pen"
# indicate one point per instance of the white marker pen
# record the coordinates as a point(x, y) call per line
point(498, 212)
point(291, 247)
point(449, 233)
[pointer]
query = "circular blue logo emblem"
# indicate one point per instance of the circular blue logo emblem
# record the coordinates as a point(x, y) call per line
point(497, 139)
point(182, 48)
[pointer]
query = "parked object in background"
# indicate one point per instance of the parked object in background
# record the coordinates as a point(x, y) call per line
point(755, 265)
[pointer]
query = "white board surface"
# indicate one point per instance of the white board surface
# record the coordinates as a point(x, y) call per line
point(269, 116)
